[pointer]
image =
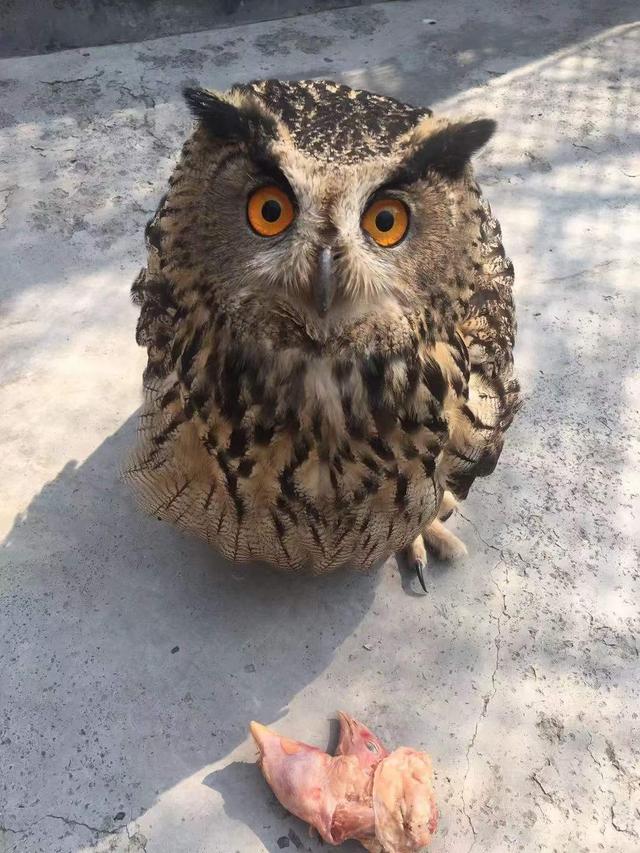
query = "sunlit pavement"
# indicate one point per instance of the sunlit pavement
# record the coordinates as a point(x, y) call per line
point(132, 658)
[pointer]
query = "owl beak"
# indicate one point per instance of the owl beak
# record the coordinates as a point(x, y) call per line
point(324, 283)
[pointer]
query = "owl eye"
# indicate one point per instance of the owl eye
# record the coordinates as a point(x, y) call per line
point(386, 220)
point(270, 211)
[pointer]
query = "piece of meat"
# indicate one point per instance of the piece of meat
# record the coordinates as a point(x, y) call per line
point(356, 739)
point(404, 803)
point(383, 800)
point(333, 794)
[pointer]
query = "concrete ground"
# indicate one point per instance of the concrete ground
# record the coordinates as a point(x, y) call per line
point(132, 658)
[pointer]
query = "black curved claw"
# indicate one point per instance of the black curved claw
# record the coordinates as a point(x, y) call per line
point(420, 572)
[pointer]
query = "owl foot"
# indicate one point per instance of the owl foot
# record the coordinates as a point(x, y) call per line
point(443, 542)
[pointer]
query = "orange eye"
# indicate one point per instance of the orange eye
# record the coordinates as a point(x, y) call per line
point(386, 220)
point(270, 211)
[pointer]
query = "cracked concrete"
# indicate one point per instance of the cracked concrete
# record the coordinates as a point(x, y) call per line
point(5, 197)
point(132, 658)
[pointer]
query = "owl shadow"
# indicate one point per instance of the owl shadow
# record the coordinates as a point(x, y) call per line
point(152, 649)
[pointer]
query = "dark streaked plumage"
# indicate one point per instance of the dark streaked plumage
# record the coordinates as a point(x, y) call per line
point(333, 123)
point(312, 437)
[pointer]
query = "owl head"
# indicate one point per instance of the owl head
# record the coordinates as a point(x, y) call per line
point(309, 208)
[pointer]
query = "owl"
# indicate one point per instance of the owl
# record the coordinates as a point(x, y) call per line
point(327, 310)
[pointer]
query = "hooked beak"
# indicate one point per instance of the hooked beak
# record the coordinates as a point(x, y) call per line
point(324, 283)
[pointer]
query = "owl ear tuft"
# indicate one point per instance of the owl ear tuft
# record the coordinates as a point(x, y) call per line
point(221, 118)
point(226, 120)
point(447, 150)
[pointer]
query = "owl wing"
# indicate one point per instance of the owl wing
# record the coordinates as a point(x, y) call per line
point(489, 328)
point(161, 412)
point(152, 293)
point(485, 339)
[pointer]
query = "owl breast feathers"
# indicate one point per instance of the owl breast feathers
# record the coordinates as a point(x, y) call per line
point(329, 322)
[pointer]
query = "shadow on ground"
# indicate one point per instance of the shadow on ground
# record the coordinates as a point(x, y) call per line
point(188, 647)
point(134, 657)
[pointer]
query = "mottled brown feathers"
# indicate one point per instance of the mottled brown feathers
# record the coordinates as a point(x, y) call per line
point(311, 442)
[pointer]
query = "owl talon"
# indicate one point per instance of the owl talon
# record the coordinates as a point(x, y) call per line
point(419, 567)
point(416, 557)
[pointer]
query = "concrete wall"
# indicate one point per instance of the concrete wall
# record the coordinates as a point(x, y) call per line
point(43, 26)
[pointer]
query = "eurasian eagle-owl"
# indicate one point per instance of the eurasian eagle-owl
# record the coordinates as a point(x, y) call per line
point(329, 322)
